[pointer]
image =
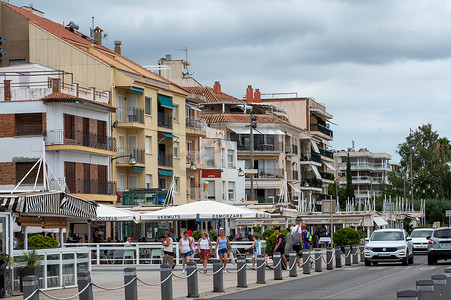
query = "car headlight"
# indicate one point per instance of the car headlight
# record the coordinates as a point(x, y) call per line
point(369, 248)
point(401, 247)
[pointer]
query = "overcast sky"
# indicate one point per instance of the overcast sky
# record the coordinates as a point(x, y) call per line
point(380, 67)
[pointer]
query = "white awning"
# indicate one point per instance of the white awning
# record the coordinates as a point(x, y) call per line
point(110, 213)
point(379, 221)
point(239, 129)
point(272, 131)
point(271, 184)
point(245, 130)
point(297, 190)
point(315, 146)
point(329, 166)
point(315, 170)
point(192, 106)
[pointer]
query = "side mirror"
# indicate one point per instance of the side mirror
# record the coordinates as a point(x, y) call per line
point(367, 239)
point(409, 238)
point(428, 237)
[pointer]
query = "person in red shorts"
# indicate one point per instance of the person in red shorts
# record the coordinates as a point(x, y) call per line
point(204, 246)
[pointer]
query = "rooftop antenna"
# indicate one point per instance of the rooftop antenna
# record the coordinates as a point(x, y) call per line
point(91, 30)
point(353, 144)
point(185, 66)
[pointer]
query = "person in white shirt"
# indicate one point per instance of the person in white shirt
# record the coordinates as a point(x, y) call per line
point(128, 242)
point(204, 246)
point(168, 257)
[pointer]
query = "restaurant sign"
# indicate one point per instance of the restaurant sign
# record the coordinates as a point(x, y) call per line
point(211, 173)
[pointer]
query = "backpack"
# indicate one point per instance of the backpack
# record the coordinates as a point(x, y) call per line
point(307, 240)
point(297, 237)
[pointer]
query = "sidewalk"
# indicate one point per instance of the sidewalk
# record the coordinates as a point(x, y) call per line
point(113, 276)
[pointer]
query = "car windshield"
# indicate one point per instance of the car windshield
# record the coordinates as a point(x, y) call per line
point(445, 233)
point(387, 236)
point(421, 233)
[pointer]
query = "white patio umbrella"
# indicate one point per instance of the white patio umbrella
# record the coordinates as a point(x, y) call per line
point(205, 210)
point(110, 213)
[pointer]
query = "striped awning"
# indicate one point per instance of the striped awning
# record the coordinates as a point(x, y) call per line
point(50, 203)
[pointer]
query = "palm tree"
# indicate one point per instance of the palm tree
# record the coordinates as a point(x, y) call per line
point(443, 153)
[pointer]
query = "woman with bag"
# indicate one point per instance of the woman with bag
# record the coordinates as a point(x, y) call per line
point(168, 251)
point(185, 246)
point(204, 246)
point(223, 246)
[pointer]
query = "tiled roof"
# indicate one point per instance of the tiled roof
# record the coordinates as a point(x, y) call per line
point(211, 96)
point(244, 118)
point(64, 96)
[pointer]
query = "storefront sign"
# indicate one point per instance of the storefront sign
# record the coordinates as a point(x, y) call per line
point(211, 173)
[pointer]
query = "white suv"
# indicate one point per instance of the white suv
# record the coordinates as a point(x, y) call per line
point(389, 245)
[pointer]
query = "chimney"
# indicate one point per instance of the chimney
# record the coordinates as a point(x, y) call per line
point(249, 94)
point(217, 87)
point(56, 85)
point(117, 47)
point(98, 35)
point(7, 89)
point(257, 96)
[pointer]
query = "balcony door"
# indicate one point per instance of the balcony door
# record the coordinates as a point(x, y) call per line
point(132, 181)
point(121, 147)
point(132, 108)
point(120, 108)
point(133, 145)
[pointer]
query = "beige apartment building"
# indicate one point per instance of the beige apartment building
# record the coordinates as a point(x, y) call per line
point(369, 170)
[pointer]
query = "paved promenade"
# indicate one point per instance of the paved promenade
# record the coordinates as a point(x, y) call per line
point(112, 276)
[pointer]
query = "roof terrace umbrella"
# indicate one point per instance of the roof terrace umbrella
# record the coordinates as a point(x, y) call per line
point(205, 210)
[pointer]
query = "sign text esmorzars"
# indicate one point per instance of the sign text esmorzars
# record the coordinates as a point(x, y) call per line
point(227, 216)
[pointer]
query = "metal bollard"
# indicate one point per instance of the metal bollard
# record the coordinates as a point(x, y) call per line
point(84, 279)
point(277, 258)
point(318, 262)
point(131, 290)
point(193, 291)
point(448, 280)
point(241, 275)
point(338, 263)
point(293, 263)
point(261, 269)
point(30, 284)
point(362, 253)
point(305, 262)
point(425, 289)
point(218, 278)
point(329, 260)
point(407, 295)
point(166, 287)
point(355, 254)
point(440, 291)
point(347, 255)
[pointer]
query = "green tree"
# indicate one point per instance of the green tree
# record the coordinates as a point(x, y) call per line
point(332, 190)
point(443, 152)
point(349, 186)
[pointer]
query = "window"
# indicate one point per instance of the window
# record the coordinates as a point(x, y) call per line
point(176, 149)
point(175, 112)
point(210, 156)
point(22, 169)
point(147, 104)
point(132, 181)
point(230, 158)
point(210, 190)
point(224, 157)
point(148, 144)
point(231, 191)
point(28, 124)
point(176, 184)
point(121, 185)
point(224, 188)
point(69, 127)
point(69, 174)
point(148, 181)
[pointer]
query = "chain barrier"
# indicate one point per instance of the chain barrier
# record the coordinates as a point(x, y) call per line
point(32, 294)
point(68, 298)
point(228, 271)
point(115, 288)
point(331, 258)
point(272, 268)
point(211, 274)
point(187, 276)
point(154, 284)
point(292, 266)
point(315, 259)
point(348, 254)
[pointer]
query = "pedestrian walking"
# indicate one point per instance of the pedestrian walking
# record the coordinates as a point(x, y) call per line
point(280, 246)
point(288, 244)
point(223, 246)
point(186, 248)
point(255, 248)
point(168, 250)
point(296, 240)
point(204, 246)
point(306, 240)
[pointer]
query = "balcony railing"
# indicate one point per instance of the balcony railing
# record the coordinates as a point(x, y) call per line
point(326, 153)
point(312, 156)
point(130, 114)
point(262, 147)
point(268, 173)
point(291, 149)
point(196, 124)
point(322, 129)
point(165, 120)
point(165, 159)
point(143, 197)
point(194, 194)
point(82, 138)
point(326, 175)
point(91, 186)
point(312, 183)
point(137, 154)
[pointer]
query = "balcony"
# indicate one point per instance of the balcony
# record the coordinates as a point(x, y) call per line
point(165, 159)
point(164, 120)
point(143, 196)
point(194, 194)
point(291, 149)
point(321, 128)
point(194, 125)
point(276, 147)
point(326, 175)
point(90, 186)
point(326, 153)
point(196, 158)
point(312, 156)
point(137, 153)
point(267, 173)
point(130, 114)
point(312, 184)
point(80, 138)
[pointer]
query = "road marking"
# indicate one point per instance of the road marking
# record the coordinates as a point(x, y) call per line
point(370, 282)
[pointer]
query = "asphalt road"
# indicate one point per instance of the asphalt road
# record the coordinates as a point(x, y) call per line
point(359, 282)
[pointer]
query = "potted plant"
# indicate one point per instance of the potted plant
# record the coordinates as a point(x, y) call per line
point(29, 263)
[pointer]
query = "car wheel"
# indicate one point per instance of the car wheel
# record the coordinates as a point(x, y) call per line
point(404, 261)
point(367, 263)
point(375, 263)
point(411, 260)
point(431, 260)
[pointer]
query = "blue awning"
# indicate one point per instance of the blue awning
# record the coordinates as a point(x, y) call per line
point(164, 172)
point(192, 106)
point(137, 90)
point(168, 134)
point(166, 101)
